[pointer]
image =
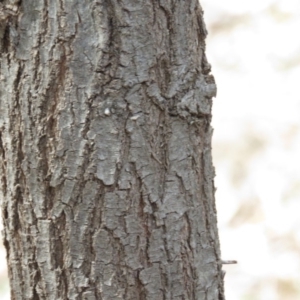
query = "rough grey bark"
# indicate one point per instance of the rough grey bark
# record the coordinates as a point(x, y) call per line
point(106, 170)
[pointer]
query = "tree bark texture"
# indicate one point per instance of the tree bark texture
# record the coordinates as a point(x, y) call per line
point(106, 170)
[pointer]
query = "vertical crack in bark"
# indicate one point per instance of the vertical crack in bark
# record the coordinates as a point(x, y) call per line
point(5, 38)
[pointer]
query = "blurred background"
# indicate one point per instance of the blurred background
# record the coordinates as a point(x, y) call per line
point(254, 49)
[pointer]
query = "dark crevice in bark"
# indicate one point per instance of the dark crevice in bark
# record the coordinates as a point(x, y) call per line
point(2, 151)
point(17, 83)
point(59, 228)
point(189, 232)
point(113, 47)
point(89, 117)
point(49, 101)
point(35, 295)
point(49, 191)
point(3, 177)
point(37, 63)
point(163, 69)
point(5, 39)
point(36, 281)
point(145, 221)
point(201, 25)
point(64, 281)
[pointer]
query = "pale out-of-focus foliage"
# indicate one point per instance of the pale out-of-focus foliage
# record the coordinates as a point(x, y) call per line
point(4, 288)
point(254, 50)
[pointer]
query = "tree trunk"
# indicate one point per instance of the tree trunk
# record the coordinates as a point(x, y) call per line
point(106, 170)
